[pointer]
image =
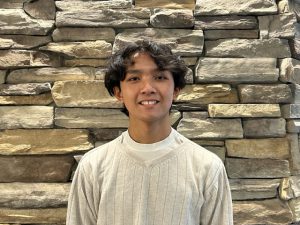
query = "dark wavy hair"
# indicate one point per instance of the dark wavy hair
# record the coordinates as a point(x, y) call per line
point(160, 53)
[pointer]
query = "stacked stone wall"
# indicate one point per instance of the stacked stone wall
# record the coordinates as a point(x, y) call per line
point(242, 101)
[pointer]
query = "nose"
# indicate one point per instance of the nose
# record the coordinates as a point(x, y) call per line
point(148, 88)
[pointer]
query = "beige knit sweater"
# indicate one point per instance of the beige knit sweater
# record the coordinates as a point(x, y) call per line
point(187, 185)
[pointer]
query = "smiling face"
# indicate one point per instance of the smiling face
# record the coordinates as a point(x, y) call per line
point(146, 91)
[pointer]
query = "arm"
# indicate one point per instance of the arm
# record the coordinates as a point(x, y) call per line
point(217, 208)
point(80, 204)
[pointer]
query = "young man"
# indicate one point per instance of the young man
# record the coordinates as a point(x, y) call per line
point(150, 174)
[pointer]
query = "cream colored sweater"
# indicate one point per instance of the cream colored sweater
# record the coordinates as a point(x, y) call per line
point(112, 186)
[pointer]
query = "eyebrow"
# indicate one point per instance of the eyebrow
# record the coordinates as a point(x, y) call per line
point(140, 71)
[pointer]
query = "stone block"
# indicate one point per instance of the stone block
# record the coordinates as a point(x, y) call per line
point(290, 188)
point(248, 48)
point(244, 110)
point(219, 151)
point(225, 22)
point(88, 49)
point(209, 93)
point(264, 127)
point(183, 4)
point(247, 189)
point(11, 4)
point(193, 126)
point(90, 34)
point(125, 18)
point(106, 134)
point(289, 70)
point(295, 207)
point(295, 88)
point(85, 62)
point(295, 42)
point(182, 41)
point(168, 18)
point(34, 195)
point(92, 94)
point(295, 153)
point(14, 117)
point(291, 111)
point(236, 70)
point(2, 76)
point(16, 21)
point(293, 126)
point(50, 74)
point(40, 9)
point(277, 26)
point(269, 211)
point(240, 7)
point(257, 168)
point(24, 89)
point(271, 148)
point(208, 143)
point(44, 141)
point(35, 168)
point(42, 99)
point(227, 34)
point(261, 93)
point(25, 41)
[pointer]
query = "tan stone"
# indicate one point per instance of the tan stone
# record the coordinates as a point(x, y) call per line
point(16, 21)
point(244, 110)
point(183, 4)
point(293, 126)
point(240, 7)
point(24, 89)
point(289, 70)
point(245, 189)
point(236, 70)
point(22, 58)
point(85, 62)
point(294, 153)
point(6, 43)
point(92, 94)
point(29, 216)
point(291, 111)
point(290, 188)
point(40, 9)
point(182, 41)
point(193, 126)
point(226, 34)
point(295, 207)
point(50, 74)
point(44, 141)
point(2, 76)
point(210, 93)
point(43, 99)
point(207, 143)
point(271, 211)
point(248, 48)
point(11, 4)
point(35, 168)
point(87, 49)
point(272, 148)
point(14, 117)
point(219, 151)
point(190, 61)
point(257, 168)
point(34, 195)
point(25, 41)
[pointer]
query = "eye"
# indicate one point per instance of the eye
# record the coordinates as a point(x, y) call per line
point(161, 76)
point(133, 79)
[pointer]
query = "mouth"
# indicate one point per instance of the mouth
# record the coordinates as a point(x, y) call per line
point(149, 102)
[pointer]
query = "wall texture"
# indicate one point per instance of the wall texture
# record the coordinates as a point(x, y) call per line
point(242, 101)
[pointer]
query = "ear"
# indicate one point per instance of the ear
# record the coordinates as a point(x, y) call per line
point(176, 93)
point(118, 93)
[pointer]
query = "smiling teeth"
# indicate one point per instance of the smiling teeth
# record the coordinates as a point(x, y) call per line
point(148, 102)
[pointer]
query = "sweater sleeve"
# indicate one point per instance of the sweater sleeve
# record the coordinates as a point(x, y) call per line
point(80, 205)
point(217, 207)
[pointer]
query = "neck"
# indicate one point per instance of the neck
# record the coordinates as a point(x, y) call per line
point(145, 134)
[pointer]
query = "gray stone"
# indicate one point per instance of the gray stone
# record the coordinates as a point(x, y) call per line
point(44, 141)
point(295, 207)
point(226, 34)
point(208, 143)
point(42, 99)
point(126, 18)
point(293, 6)
point(240, 7)
point(193, 126)
point(293, 126)
point(25, 41)
point(183, 4)
point(16, 21)
point(244, 110)
point(271, 93)
point(294, 153)
point(11, 4)
point(289, 70)
point(22, 58)
point(257, 168)
point(50, 74)
point(269, 48)
point(225, 22)
point(14, 117)
point(40, 9)
point(270, 211)
point(245, 189)
point(106, 134)
point(219, 151)
point(167, 18)
point(182, 41)
point(91, 94)
point(265, 127)
point(236, 70)
point(24, 89)
point(295, 88)
point(291, 111)
point(295, 42)
point(90, 34)
point(210, 93)
point(34, 216)
point(290, 188)
point(35, 168)
point(34, 195)
point(87, 49)
point(277, 26)
point(189, 77)
point(271, 148)
point(2, 76)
